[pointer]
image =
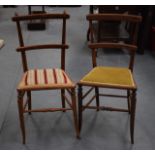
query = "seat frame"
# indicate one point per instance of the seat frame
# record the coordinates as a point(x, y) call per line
point(131, 91)
point(27, 106)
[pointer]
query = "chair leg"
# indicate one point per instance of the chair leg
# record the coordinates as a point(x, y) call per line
point(132, 119)
point(97, 98)
point(29, 101)
point(129, 100)
point(21, 114)
point(80, 106)
point(63, 99)
point(73, 96)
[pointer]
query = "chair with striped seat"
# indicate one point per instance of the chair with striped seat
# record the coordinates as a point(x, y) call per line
point(47, 78)
point(110, 77)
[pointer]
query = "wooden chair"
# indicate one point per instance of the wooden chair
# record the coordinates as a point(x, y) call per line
point(117, 78)
point(44, 79)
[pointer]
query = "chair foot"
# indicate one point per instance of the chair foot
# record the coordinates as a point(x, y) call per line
point(24, 142)
point(132, 141)
point(98, 109)
point(78, 137)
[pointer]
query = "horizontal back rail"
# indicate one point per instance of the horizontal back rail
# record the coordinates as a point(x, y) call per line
point(40, 16)
point(47, 46)
point(114, 17)
point(132, 48)
point(43, 16)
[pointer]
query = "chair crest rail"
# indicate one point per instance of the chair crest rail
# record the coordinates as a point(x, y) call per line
point(114, 17)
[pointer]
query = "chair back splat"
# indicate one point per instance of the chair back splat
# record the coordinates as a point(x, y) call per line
point(23, 48)
point(131, 46)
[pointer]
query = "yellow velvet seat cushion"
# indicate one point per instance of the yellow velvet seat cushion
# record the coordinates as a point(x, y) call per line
point(109, 76)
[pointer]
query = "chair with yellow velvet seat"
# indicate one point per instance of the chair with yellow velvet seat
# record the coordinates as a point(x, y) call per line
point(48, 78)
point(110, 77)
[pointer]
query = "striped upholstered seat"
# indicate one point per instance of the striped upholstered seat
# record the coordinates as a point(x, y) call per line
point(44, 79)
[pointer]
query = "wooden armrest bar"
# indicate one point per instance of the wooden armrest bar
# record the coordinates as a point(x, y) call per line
point(112, 45)
point(40, 16)
point(114, 17)
point(48, 46)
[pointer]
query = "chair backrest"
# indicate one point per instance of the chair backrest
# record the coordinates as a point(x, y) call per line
point(23, 48)
point(131, 47)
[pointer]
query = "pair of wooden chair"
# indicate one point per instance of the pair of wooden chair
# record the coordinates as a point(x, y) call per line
point(50, 79)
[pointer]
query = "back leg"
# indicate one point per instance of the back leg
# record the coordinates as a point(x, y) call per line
point(21, 114)
point(97, 97)
point(63, 99)
point(29, 101)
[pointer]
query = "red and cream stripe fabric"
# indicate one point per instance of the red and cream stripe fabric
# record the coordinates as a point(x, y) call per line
point(46, 76)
